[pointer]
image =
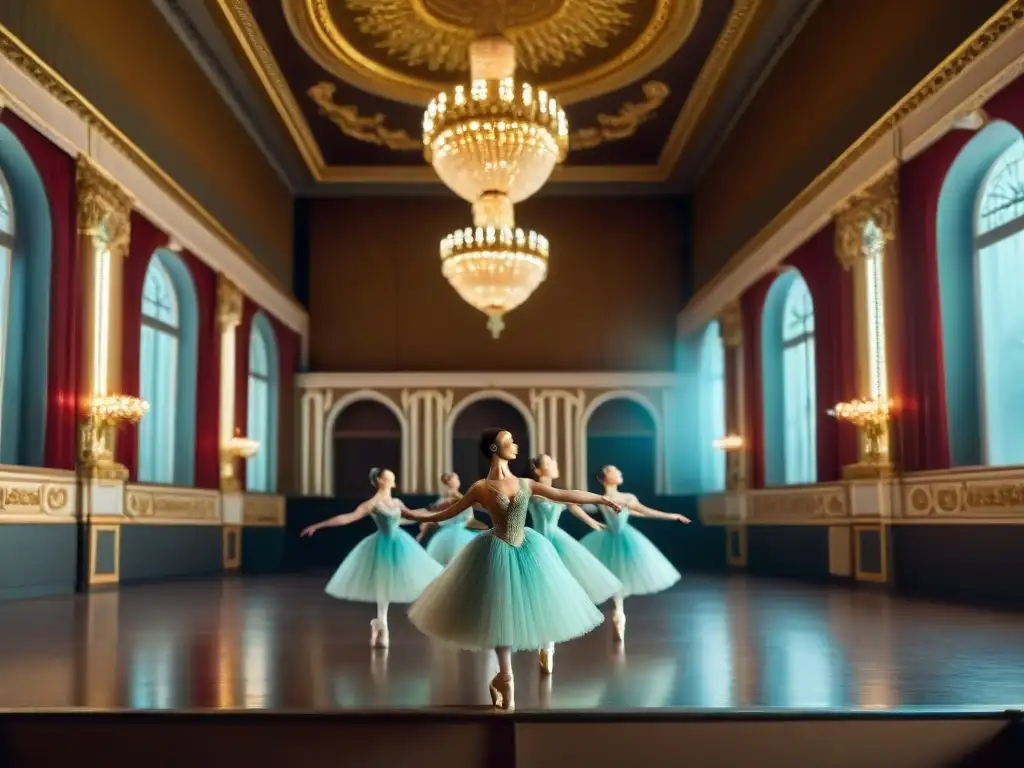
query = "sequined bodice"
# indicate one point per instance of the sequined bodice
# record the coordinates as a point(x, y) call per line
point(544, 514)
point(386, 519)
point(460, 519)
point(509, 515)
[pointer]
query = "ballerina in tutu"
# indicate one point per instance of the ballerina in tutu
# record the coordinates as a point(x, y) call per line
point(507, 589)
point(599, 583)
point(454, 533)
point(387, 566)
point(627, 553)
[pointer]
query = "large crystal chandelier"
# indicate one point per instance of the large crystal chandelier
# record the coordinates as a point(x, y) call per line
point(494, 144)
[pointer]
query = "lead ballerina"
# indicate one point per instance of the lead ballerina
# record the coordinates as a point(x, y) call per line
point(627, 553)
point(599, 583)
point(508, 589)
point(386, 567)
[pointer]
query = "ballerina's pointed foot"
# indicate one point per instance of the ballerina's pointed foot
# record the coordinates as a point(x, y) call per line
point(503, 692)
point(546, 657)
point(619, 626)
point(379, 634)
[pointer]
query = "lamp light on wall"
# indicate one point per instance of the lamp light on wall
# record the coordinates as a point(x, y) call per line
point(104, 414)
point(237, 447)
point(731, 443)
point(871, 417)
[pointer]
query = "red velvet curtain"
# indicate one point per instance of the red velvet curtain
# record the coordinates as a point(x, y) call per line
point(207, 456)
point(831, 289)
point(64, 365)
point(242, 334)
point(145, 238)
point(1008, 104)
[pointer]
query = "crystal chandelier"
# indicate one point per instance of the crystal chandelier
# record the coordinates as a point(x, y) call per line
point(494, 144)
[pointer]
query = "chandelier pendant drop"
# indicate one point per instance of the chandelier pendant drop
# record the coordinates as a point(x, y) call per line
point(494, 144)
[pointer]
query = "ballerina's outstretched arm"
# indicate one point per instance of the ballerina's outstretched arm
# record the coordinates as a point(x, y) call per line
point(448, 511)
point(405, 520)
point(579, 512)
point(571, 497)
point(640, 510)
point(345, 519)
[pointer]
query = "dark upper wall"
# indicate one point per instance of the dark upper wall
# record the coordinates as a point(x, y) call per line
point(124, 58)
point(378, 301)
point(848, 66)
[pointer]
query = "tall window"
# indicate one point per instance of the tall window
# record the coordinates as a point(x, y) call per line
point(999, 249)
point(712, 407)
point(261, 419)
point(874, 253)
point(158, 361)
point(798, 384)
point(6, 262)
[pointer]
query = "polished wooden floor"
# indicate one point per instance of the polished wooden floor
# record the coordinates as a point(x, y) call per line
point(280, 643)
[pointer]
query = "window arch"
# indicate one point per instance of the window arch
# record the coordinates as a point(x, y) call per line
point(261, 416)
point(26, 245)
point(999, 271)
point(711, 397)
point(788, 378)
point(167, 371)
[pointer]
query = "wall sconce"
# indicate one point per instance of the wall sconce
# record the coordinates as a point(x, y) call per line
point(104, 415)
point(871, 417)
point(238, 447)
point(730, 443)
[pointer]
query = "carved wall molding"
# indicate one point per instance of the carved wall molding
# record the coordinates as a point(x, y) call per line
point(263, 511)
point(104, 208)
point(166, 505)
point(730, 324)
point(31, 496)
point(879, 203)
point(229, 303)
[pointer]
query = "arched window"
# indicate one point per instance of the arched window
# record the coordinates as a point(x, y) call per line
point(261, 418)
point(167, 372)
point(712, 408)
point(999, 249)
point(788, 376)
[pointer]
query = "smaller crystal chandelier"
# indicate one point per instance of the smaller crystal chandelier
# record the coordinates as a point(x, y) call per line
point(494, 144)
point(114, 410)
point(870, 416)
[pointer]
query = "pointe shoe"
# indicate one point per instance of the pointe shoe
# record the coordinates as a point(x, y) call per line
point(619, 626)
point(379, 634)
point(503, 692)
point(546, 657)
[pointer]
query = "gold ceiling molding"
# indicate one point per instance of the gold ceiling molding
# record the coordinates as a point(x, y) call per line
point(1005, 21)
point(571, 30)
point(256, 50)
point(623, 123)
point(371, 129)
point(880, 203)
point(437, 33)
point(22, 57)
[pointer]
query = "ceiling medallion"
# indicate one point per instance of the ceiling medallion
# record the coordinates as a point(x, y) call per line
point(494, 143)
point(408, 50)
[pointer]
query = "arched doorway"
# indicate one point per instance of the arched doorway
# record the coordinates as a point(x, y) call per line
point(483, 414)
point(622, 432)
point(366, 434)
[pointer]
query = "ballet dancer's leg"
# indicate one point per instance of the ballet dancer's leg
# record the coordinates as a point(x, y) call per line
point(502, 687)
point(379, 627)
point(619, 618)
point(546, 657)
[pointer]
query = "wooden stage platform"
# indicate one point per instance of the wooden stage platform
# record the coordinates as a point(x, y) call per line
point(714, 649)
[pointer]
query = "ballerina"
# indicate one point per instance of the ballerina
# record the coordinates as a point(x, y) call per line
point(387, 566)
point(454, 533)
point(627, 553)
point(508, 589)
point(599, 583)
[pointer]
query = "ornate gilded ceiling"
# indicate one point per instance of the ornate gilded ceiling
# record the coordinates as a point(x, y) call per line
point(348, 79)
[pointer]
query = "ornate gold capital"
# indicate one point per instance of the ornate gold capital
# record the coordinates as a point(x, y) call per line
point(879, 203)
point(104, 209)
point(229, 303)
point(729, 324)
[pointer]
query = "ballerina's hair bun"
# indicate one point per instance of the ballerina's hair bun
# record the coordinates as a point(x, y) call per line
point(375, 474)
point(489, 442)
point(536, 461)
point(446, 477)
point(601, 473)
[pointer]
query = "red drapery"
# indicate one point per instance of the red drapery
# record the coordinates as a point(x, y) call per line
point(145, 238)
point(831, 288)
point(64, 365)
point(242, 334)
point(207, 456)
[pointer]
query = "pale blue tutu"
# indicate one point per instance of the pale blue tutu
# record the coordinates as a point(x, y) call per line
point(451, 537)
point(599, 583)
point(498, 594)
point(631, 556)
point(386, 567)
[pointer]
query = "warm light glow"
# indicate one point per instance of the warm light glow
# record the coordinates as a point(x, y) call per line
point(494, 270)
point(729, 443)
point(871, 416)
point(101, 319)
point(241, 447)
point(113, 410)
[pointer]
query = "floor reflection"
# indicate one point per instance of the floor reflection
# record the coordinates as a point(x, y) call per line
point(716, 643)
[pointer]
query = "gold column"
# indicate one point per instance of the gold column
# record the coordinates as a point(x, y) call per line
point(877, 204)
point(104, 226)
point(730, 326)
point(229, 317)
